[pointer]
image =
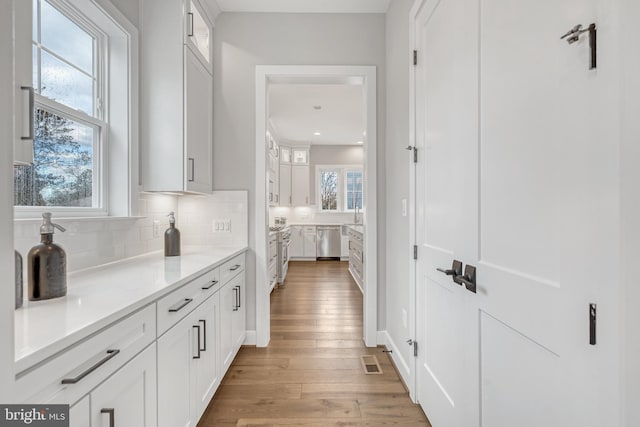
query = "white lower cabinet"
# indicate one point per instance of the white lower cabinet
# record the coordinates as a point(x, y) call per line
point(232, 319)
point(132, 374)
point(187, 367)
point(80, 413)
point(128, 398)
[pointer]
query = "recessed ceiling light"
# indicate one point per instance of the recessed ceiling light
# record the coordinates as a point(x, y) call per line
point(359, 142)
point(317, 107)
point(317, 133)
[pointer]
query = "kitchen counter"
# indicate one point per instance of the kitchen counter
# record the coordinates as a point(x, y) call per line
point(357, 228)
point(99, 296)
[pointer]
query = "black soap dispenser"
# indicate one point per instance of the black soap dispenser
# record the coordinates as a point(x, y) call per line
point(47, 264)
point(172, 238)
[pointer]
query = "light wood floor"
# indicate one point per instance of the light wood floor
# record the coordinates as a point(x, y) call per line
point(311, 374)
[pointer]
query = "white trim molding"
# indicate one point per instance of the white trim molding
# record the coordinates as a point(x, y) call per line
point(364, 76)
point(250, 338)
point(396, 355)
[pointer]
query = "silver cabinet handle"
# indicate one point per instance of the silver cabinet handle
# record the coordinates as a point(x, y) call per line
point(110, 355)
point(210, 285)
point(193, 169)
point(112, 415)
point(235, 267)
point(239, 297)
point(204, 334)
point(190, 32)
point(197, 327)
point(179, 306)
point(31, 134)
point(235, 303)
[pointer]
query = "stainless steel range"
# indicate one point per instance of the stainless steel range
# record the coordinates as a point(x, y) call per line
point(284, 241)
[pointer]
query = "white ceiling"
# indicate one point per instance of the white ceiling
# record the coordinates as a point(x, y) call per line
point(340, 121)
point(304, 6)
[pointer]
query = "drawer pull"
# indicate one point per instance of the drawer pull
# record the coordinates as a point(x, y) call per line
point(179, 306)
point(110, 355)
point(235, 267)
point(197, 327)
point(112, 415)
point(204, 335)
point(210, 285)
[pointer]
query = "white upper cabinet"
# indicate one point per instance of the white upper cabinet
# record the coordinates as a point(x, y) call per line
point(23, 132)
point(199, 33)
point(300, 156)
point(177, 97)
point(285, 155)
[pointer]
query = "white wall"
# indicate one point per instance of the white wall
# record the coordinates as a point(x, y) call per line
point(630, 208)
point(6, 202)
point(244, 40)
point(397, 179)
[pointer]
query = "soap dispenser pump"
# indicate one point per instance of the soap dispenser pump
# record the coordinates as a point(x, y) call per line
point(47, 264)
point(172, 238)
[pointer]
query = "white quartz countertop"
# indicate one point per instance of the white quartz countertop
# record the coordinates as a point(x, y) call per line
point(99, 296)
point(357, 228)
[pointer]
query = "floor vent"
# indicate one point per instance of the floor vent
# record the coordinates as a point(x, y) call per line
point(371, 365)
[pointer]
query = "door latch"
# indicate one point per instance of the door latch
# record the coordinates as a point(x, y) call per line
point(414, 344)
point(592, 324)
point(454, 271)
point(573, 35)
point(469, 278)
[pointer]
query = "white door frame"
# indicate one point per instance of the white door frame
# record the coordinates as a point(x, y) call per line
point(310, 74)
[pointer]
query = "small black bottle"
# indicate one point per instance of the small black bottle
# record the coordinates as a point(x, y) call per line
point(47, 264)
point(172, 238)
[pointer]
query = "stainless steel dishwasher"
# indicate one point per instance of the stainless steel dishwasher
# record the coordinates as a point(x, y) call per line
point(328, 242)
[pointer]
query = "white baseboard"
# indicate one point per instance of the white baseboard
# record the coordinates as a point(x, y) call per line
point(250, 338)
point(403, 367)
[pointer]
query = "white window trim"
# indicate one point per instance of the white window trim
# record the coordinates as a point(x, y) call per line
point(342, 186)
point(120, 156)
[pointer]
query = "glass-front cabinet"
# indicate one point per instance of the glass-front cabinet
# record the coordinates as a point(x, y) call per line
point(285, 155)
point(199, 33)
point(300, 156)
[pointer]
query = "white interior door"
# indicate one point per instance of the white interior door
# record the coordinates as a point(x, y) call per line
point(446, 137)
point(526, 190)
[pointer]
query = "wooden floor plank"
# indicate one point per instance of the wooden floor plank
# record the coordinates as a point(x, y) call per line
point(311, 373)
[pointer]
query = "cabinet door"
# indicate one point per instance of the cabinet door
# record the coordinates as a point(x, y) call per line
point(227, 307)
point(128, 398)
point(300, 156)
point(198, 128)
point(238, 325)
point(285, 155)
point(309, 243)
point(344, 247)
point(80, 413)
point(299, 185)
point(205, 376)
point(199, 33)
point(23, 100)
point(296, 250)
point(285, 185)
point(175, 353)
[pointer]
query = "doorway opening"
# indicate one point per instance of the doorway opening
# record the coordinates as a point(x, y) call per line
point(363, 77)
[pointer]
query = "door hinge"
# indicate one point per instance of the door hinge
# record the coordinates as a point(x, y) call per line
point(415, 251)
point(415, 57)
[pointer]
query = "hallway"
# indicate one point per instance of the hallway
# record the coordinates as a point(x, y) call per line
point(312, 374)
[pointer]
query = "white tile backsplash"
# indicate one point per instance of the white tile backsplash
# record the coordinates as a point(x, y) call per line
point(90, 242)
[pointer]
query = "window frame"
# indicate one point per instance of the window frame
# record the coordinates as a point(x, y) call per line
point(341, 170)
point(118, 121)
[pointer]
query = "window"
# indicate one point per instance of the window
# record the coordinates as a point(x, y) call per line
point(353, 194)
point(339, 188)
point(328, 190)
point(76, 130)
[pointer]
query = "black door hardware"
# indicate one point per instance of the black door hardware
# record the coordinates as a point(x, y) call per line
point(573, 35)
point(454, 271)
point(592, 324)
point(197, 328)
point(469, 278)
point(112, 415)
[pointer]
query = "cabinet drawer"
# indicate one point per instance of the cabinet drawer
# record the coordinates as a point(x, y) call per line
point(231, 268)
point(71, 375)
point(182, 301)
